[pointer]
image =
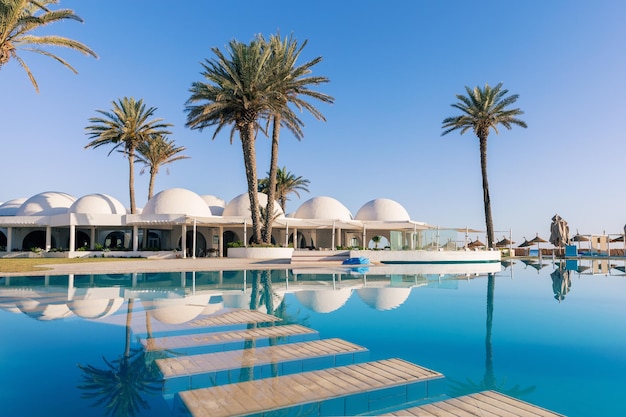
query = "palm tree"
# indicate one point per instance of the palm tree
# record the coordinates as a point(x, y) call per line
point(236, 92)
point(120, 387)
point(291, 85)
point(484, 109)
point(20, 18)
point(126, 126)
point(155, 152)
point(286, 183)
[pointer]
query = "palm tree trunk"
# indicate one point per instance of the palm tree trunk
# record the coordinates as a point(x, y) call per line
point(249, 160)
point(271, 192)
point(489, 379)
point(131, 179)
point(151, 184)
point(129, 316)
point(486, 198)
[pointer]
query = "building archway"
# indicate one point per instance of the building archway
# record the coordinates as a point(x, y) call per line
point(200, 243)
point(301, 240)
point(82, 240)
point(37, 239)
point(229, 237)
point(114, 240)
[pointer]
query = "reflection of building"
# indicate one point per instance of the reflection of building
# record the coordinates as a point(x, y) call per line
point(179, 219)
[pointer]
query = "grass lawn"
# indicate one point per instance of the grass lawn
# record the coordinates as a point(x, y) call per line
point(33, 264)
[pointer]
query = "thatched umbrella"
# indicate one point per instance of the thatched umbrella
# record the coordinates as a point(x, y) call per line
point(579, 238)
point(476, 244)
point(504, 243)
point(537, 240)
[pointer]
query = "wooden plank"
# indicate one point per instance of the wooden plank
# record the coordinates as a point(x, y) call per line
point(484, 404)
point(217, 338)
point(289, 390)
point(234, 317)
point(222, 361)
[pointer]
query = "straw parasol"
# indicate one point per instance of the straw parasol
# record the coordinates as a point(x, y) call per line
point(579, 238)
point(504, 243)
point(475, 244)
point(537, 240)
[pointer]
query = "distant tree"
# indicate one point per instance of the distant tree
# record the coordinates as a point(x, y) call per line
point(127, 126)
point(291, 86)
point(156, 152)
point(286, 183)
point(484, 109)
point(20, 18)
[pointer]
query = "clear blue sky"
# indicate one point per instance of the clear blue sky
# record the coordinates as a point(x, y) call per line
point(395, 68)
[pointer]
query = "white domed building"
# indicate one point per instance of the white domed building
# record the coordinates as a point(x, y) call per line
point(179, 222)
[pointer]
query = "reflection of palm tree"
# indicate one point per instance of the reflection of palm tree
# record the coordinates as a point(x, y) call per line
point(120, 387)
point(489, 381)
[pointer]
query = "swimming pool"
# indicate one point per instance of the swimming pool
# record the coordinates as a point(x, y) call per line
point(555, 339)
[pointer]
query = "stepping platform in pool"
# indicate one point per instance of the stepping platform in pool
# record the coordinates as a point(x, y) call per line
point(230, 320)
point(230, 340)
point(210, 369)
point(346, 390)
point(484, 404)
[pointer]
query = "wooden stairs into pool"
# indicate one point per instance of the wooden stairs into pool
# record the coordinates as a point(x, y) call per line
point(267, 369)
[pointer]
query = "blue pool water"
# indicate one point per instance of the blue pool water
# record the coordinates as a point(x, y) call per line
point(555, 340)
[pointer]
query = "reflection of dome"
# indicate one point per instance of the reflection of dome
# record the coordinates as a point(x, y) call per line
point(384, 298)
point(323, 208)
point(9, 208)
point(216, 303)
point(382, 209)
point(240, 206)
point(216, 204)
point(95, 308)
point(324, 301)
point(177, 310)
point(47, 203)
point(97, 204)
point(177, 201)
point(34, 309)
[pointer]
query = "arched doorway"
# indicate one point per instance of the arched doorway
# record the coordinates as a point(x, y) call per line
point(228, 237)
point(301, 240)
point(200, 243)
point(82, 240)
point(37, 239)
point(114, 240)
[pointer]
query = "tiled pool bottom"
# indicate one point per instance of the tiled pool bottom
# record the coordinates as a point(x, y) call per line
point(566, 356)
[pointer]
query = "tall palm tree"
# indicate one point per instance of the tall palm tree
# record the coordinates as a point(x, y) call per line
point(286, 183)
point(155, 152)
point(235, 93)
point(126, 126)
point(484, 109)
point(20, 18)
point(291, 86)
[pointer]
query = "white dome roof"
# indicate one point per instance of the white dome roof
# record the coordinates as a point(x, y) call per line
point(47, 203)
point(240, 206)
point(95, 308)
point(177, 201)
point(177, 310)
point(324, 301)
point(384, 298)
point(382, 209)
point(323, 208)
point(9, 208)
point(97, 204)
point(216, 204)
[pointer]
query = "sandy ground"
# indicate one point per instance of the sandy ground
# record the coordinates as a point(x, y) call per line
point(168, 265)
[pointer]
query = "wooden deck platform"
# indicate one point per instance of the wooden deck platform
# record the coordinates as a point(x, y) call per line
point(234, 317)
point(345, 390)
point(483, 404)
point(221, 340)
point(253, 357)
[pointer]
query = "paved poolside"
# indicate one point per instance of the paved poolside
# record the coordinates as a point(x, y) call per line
point(169, 265)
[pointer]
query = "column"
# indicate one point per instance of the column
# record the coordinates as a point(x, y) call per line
point(48, 238)
point(72, 238)
point(9, 239)
point(135, 238)
point(183, 241)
